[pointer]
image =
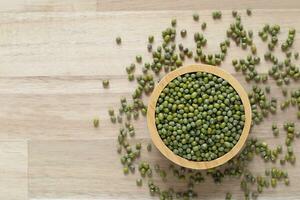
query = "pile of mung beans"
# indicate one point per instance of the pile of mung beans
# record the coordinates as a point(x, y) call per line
point(199, 116)
point(176, 110)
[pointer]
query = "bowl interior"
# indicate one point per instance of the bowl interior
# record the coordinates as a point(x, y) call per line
point(158, 141)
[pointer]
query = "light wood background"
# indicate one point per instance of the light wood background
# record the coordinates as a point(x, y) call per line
point(54, 55)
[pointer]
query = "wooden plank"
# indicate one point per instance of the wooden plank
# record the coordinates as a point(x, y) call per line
point(131, 5)
point(64, 107)
point(73, 44)
point(48, 6)
point(13, 170)
point(90, 169)
point(128, 5)
point(78, 170)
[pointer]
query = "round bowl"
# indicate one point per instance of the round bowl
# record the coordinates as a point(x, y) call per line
point(158, 141)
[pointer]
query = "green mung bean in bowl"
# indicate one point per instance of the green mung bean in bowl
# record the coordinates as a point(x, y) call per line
point(199, 116)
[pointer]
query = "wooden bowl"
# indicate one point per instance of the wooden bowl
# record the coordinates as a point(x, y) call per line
point(158, 141)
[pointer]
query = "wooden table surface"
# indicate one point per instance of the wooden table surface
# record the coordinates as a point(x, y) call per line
point(54, 55)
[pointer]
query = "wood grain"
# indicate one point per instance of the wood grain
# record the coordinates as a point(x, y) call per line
point(77, 169)
point(138, 5)
point(119, 5)
point(13, 170)
point(54, 55)
point(48, 6)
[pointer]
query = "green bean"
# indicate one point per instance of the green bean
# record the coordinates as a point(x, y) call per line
point(149, 147)
point(151, 39)
point(138, 58)
point(196, 17)
point(105, 83)
point(183, 33)
point(173, 22)
point(228, 196)
point(234, 13)
point(249, 12)
point(203, 26)
point(125, 170)
point(96, 122)
point(217, 15)
point(139, 182)
point(118, 40)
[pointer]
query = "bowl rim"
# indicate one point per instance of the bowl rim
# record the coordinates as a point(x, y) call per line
point(151, 116)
